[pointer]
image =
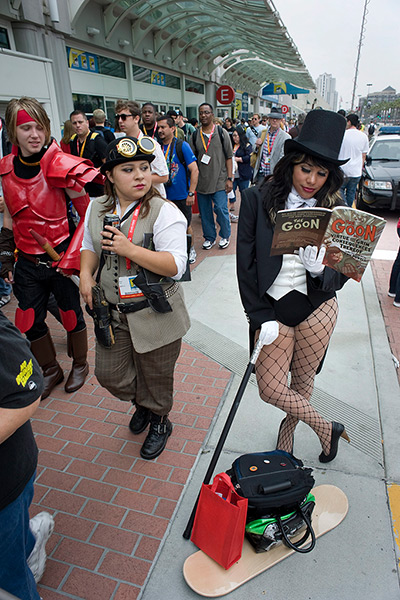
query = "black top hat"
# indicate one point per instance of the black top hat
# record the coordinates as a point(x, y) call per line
point(321, 136)
point(127, 149)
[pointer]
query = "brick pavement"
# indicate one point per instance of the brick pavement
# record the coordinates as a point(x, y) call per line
point(112, 508)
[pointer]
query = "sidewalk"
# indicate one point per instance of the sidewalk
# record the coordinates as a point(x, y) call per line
point(119, 519)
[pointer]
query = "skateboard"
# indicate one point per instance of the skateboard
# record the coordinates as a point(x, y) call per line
point(208, 578)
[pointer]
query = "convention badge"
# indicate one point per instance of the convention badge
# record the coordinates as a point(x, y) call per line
point(205, 159)
point(128, 289)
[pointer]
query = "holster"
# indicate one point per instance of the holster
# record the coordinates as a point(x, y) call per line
point(150, 284)
point(101, 316)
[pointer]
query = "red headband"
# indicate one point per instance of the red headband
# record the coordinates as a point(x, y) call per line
point(23, 117)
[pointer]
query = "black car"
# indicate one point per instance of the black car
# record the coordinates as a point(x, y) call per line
point(379, 183)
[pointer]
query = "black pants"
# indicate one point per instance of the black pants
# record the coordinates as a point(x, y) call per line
point(32, 288)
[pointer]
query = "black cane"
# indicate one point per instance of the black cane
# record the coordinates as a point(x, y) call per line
point(225, 431)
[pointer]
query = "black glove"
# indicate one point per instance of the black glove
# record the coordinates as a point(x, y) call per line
point(7, 247)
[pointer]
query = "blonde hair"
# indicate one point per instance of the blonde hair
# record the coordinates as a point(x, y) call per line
point(99, 116)
point(34, 110)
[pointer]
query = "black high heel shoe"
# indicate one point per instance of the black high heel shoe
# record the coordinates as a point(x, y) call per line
point(338, 431)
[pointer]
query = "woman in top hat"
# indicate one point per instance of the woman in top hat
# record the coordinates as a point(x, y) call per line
point(290, 301)
point(139, 367)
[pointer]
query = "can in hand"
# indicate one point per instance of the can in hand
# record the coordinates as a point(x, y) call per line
point(114, 221)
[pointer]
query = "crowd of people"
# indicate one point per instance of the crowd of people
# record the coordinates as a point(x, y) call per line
point(114, 205)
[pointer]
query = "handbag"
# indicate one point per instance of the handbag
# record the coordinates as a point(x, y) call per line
point(276, 485)
point(220, 521)
point(254, 155)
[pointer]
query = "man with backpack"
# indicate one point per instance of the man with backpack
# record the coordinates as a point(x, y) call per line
point(213, 149)
point(371, 129)
point(183, 172)
point(99, 117)
point(88, 144)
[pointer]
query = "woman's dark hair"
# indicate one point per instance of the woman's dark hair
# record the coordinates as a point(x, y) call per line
point(110, 202)
point(243, 141)
point(276, 188)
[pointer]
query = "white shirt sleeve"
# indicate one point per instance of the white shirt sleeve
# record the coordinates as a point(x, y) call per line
point(87, 243)
point(169, 235)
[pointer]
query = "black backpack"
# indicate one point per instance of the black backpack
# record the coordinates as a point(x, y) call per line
point(371, 129)
point(276, 485)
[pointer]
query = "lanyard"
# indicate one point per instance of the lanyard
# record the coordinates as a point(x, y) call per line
point(166, 153)
point(83, 145)
point(154, 131)
point(132, 226)
point(209, 139)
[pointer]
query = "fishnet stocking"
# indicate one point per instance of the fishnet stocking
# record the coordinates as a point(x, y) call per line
point(300, 350)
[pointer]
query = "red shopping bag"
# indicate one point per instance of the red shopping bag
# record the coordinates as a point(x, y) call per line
point(220, 520)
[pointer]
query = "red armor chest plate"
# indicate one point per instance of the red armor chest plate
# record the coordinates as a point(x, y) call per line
point(34, 204)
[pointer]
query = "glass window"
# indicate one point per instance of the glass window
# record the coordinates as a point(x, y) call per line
point(141, 74)
point(194, 86)
point(110, 66)
point(4, 41)
point(87, 103)
point(155, 77)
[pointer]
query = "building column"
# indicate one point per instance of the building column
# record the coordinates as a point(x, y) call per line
point(38, 42)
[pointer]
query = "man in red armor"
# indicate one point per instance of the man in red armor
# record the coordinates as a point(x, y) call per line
point(38, 180)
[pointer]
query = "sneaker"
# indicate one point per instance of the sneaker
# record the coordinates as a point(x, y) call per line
point(192, 255)
point(391, 295)
point(233, 218)
point(42, 526)
point(4, 300)
point(208, 245)
point(396, 304)
point(223, 243)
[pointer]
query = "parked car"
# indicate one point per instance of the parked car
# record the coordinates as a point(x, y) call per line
point(379, 183)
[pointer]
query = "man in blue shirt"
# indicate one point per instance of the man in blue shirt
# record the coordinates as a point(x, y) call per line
point(183, 172)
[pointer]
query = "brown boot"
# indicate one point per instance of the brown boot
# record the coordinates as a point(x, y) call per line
point(45, 353)
point(77, 349)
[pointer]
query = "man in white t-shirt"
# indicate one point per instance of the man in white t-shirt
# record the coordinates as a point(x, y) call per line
point(253, 132)
point(354, 145)
point(127, 113)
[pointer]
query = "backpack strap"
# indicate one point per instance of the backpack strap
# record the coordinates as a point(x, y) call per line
point(181, 158)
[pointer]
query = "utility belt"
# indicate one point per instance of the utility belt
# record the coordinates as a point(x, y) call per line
point(130, 307)
point(44, 259)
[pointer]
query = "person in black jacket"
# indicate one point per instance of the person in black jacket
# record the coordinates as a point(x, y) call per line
point(242, 171)
point(290, 300)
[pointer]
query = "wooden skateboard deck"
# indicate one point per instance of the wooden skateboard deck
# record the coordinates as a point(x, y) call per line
point(208, 578)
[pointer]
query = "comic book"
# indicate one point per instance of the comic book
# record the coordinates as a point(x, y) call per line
point(350, 236)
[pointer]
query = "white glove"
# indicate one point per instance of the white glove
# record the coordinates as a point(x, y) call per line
point(269, 332)
point(312, 259)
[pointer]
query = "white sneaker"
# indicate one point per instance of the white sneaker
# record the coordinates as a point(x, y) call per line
point(233, 218)
point(42, 526)
point(396, 304)
point(4, 300)
point(223, 243)
point(391, 294)
point(208, 245)
point(192, 255)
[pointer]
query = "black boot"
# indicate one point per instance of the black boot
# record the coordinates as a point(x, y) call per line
point(140, 420)
point(156, 440)
point(44, 352)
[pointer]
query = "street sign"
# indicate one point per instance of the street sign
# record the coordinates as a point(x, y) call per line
point(225, 94)
point(284, 109)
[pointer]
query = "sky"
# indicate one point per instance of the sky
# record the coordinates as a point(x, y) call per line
point(327, 32)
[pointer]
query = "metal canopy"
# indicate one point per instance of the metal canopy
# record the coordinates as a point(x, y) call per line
point(244, 40)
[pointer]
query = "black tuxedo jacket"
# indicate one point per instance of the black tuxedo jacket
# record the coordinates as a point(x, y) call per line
point(257, 270)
